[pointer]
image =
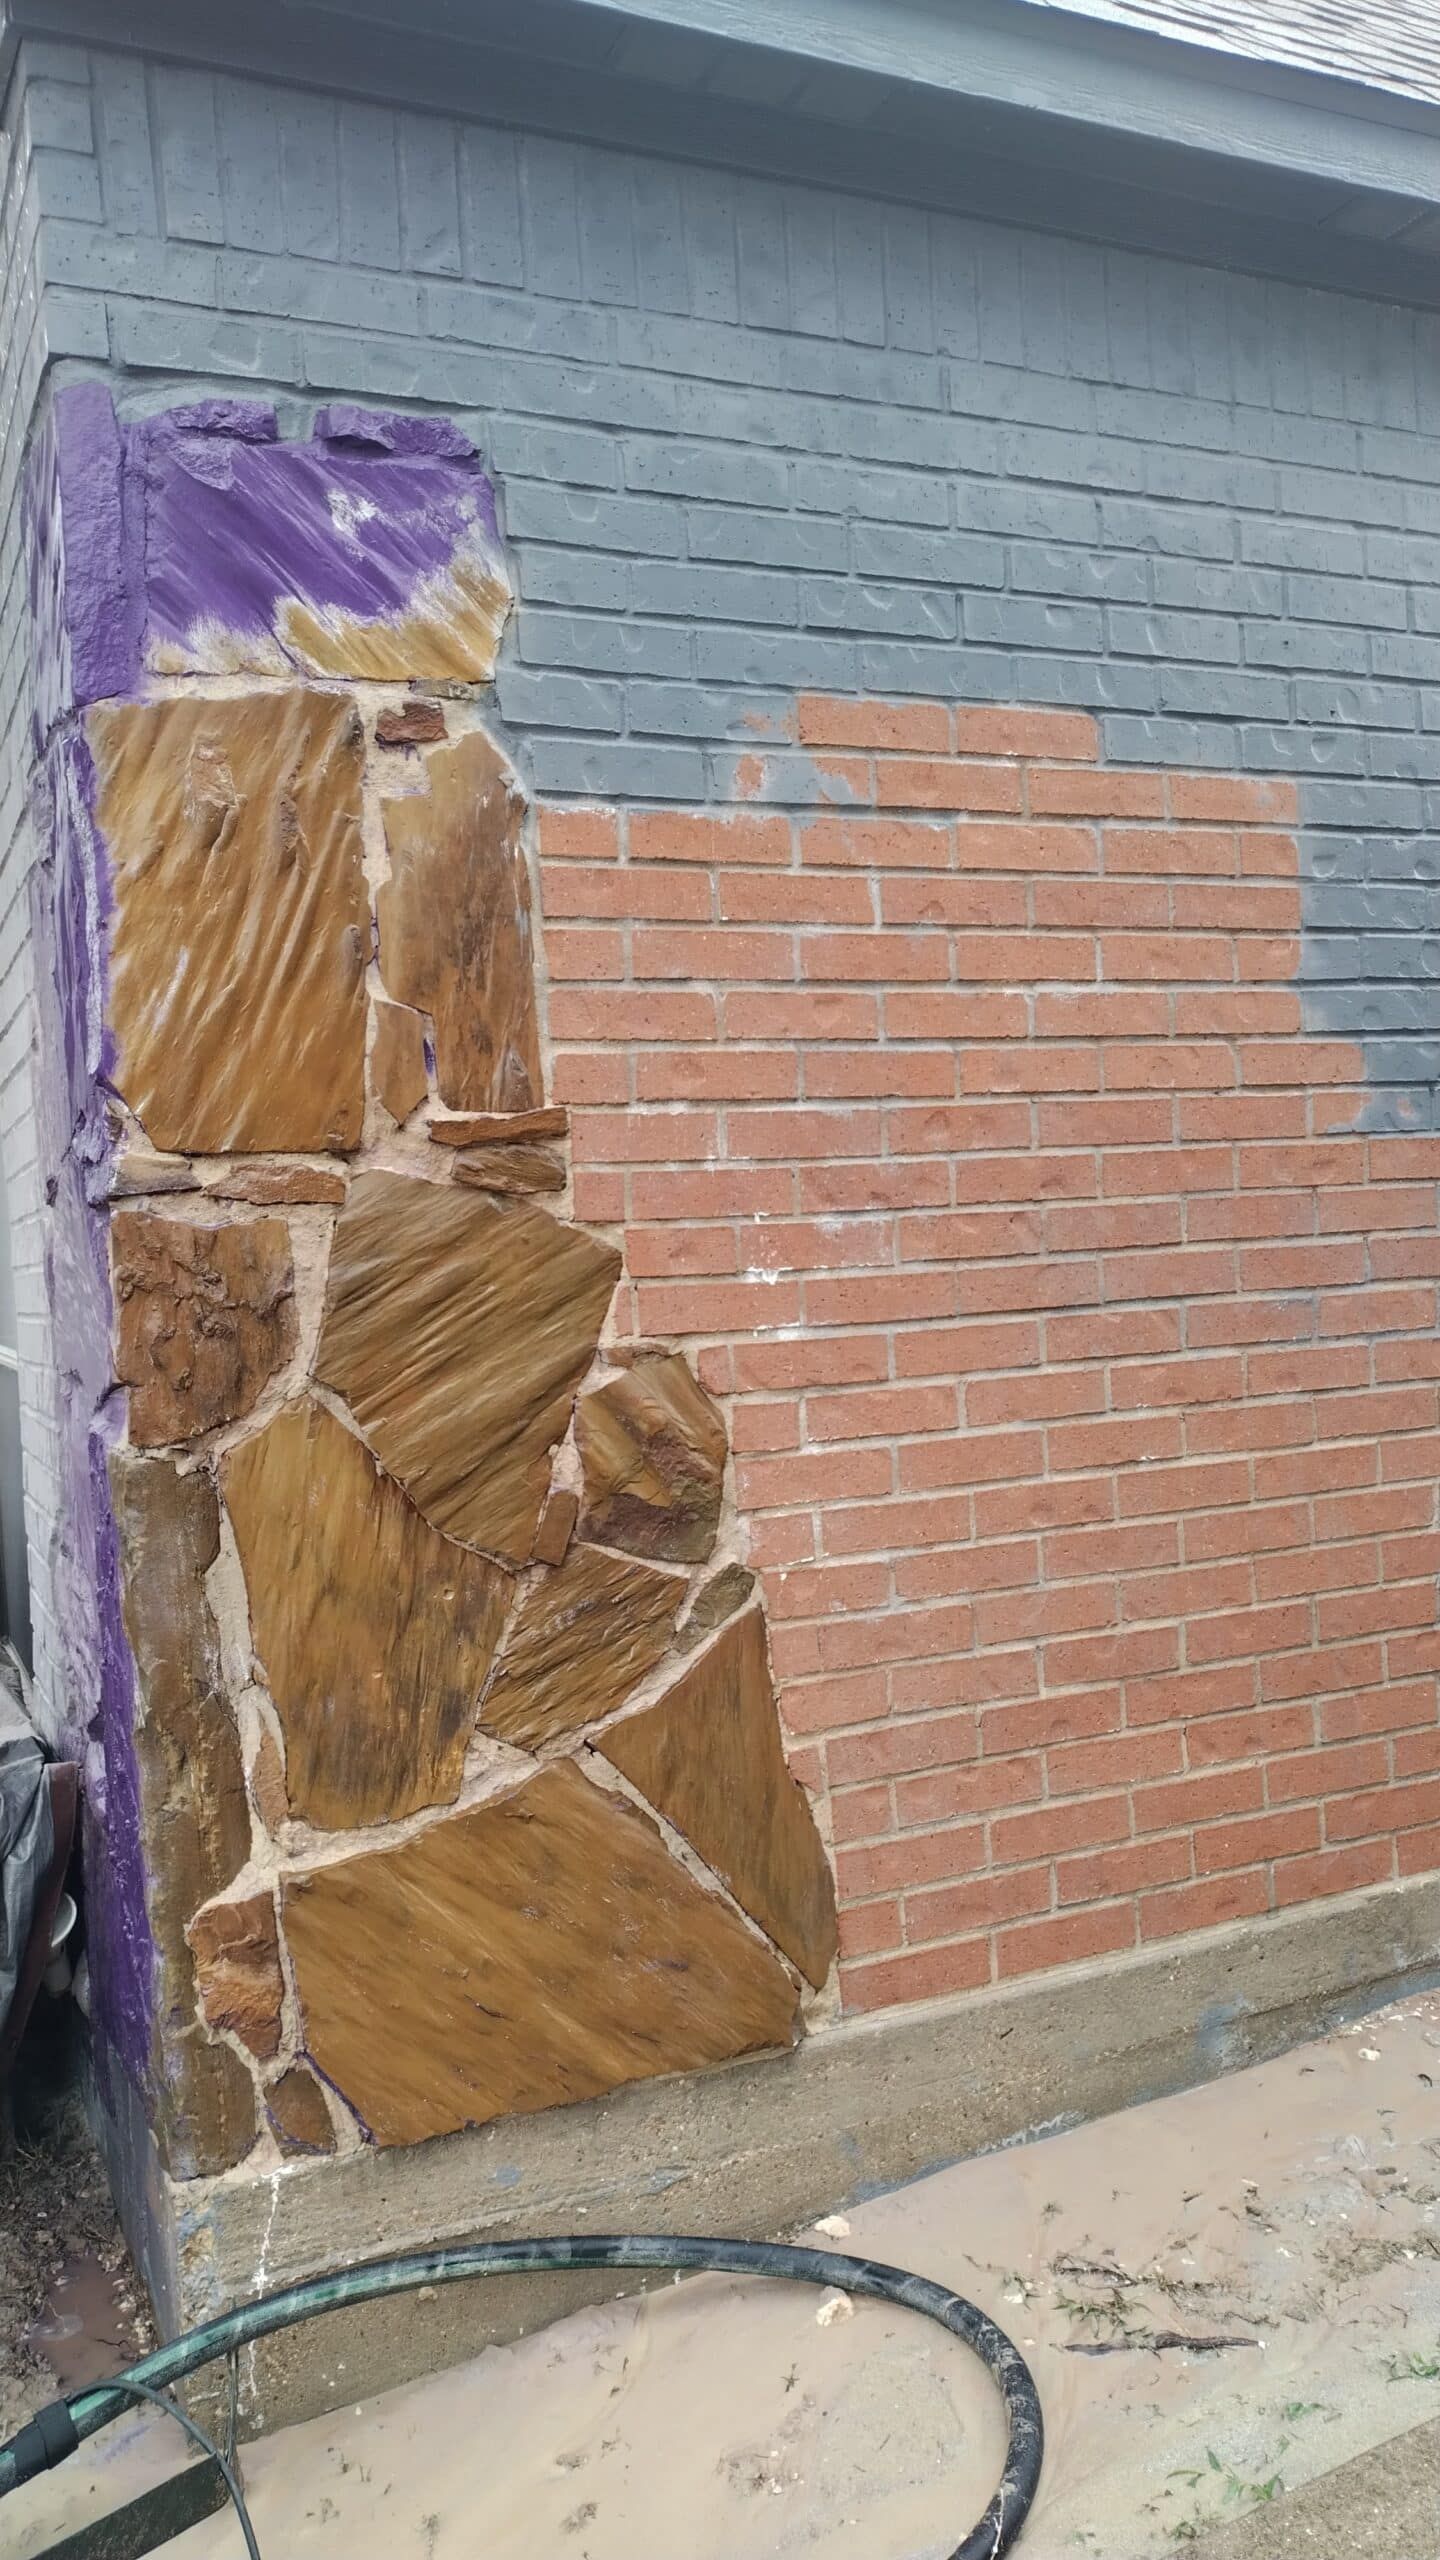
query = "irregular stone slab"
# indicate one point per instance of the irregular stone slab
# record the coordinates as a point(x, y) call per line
point(136, 1173)
point(341, 560)
point(376, 1633)
point(458, 1328)
point(204, 1318)
point(708, 1756)
point(240, 932)
point(497, 1128)
point(237, 1971)
point(512, 1169)
point(557, 1526)
point(299, 2116)
point(195, 1824)
point(414, 724)
point(719, 1600)
point(281, 1186)
point(455, 935)
point(520, 1955)
point(580, 1641)
point(653, 1448)
point(397, 1059)
point(267, 1784)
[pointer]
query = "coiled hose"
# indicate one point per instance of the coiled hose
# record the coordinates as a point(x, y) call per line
point(66, 2423)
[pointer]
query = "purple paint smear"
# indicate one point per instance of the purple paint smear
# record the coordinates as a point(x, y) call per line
point(69, 899)
point(83, 605)
point(236, 531)
point(195, 528)
point(388, 432)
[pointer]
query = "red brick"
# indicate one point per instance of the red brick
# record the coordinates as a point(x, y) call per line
point(1244, 907)
point(1187, 958)
point(914, 898)
point(1195, 852)
point(1127, 1868)
point(1205, 1796)
point(799, 1013)
point(729, 1074)
point(1220, 799)
point(1077, 1768)
point(1222, 1848)
point(868, 1413)
point(793, 897)
point(1002, 847)
point(1264, 1733)
point(873, 844)
point(680, 835)
point(955, 1013)
point(1384, 1710)
point(954, 1795)
point(985, 1902)
point(862, 1813)
point(921, 1857)
point(1190, 1694)
point(869, 1928)
point(1383, 1809)
point(924, 1974)
point(1206, 1905)
point(1333, 1871)
point(578, 835)
point(1099, 903)
point(575, 889)
point(590, 953)
point(916, 782)
point(1336, 1769)
point(1071, 734)
point(1036, 1945)
point(1098, 1015)
point(1064, 791)
point(921, 727)
point(849, 1074)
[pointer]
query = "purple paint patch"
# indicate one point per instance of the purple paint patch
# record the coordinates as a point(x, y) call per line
point(84, 606)
point(250, 421)
point(237, 534)
point(68, 902)
point(389, 431)
point(123, 1962)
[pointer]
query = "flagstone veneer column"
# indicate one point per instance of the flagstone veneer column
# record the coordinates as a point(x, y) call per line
point(433, 1765)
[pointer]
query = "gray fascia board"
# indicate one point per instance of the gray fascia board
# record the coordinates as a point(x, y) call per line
point(1001, 53)
point(1089, 72)
point(1005, 161)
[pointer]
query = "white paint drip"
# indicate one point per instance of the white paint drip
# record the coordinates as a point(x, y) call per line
point(257, 2281)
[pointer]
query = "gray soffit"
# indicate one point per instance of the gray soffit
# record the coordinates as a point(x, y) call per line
point(1027, 113)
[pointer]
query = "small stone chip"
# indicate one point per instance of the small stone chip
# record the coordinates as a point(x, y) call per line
point(414, 724)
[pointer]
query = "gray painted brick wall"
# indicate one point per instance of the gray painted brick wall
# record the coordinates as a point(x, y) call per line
point(755, 437)
point(45, 137)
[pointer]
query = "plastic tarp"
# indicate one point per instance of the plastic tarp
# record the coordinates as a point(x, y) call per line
point(27, 1842)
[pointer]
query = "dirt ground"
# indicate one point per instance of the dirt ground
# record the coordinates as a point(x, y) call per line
point(64, 2268)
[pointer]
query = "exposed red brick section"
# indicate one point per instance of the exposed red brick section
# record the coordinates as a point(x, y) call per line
point(1079, 1344)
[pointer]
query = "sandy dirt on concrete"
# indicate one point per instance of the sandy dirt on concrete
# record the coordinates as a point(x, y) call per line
point(1293, 2209)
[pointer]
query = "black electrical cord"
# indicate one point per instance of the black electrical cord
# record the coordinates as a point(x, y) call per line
point(59, 2429)
point(134, 2390)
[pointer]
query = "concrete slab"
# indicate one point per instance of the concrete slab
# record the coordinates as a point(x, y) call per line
point(1384, 2505)
point(1292, 2210)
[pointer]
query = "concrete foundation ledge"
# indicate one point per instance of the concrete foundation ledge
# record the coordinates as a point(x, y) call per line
point(754, 2149)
